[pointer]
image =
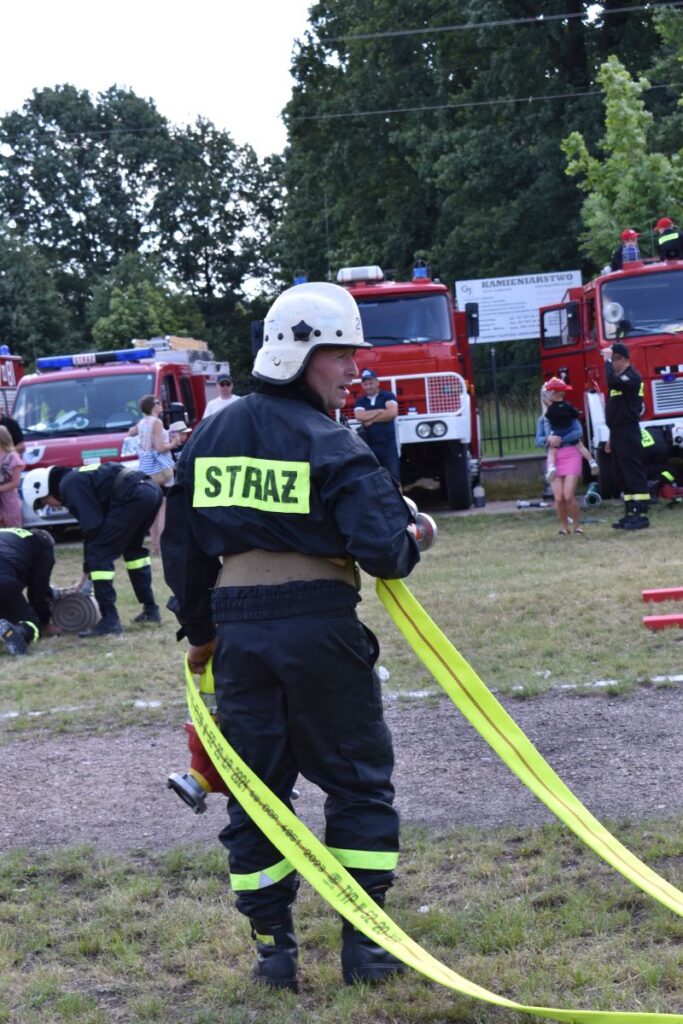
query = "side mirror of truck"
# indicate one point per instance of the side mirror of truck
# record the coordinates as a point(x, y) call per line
point(472, 311)
point(573, 321)
point(176, 412)
point(256, 336)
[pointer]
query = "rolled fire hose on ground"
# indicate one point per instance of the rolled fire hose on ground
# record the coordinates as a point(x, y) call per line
point(75, 612)
point(323, 871)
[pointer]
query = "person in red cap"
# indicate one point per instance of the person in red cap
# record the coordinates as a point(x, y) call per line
point(560, 429)
point(669, 240)
point(627, 251)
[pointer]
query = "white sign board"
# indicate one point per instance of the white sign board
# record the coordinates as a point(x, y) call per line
point(508, 306)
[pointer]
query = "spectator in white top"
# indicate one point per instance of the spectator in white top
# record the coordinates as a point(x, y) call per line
point(225, 397)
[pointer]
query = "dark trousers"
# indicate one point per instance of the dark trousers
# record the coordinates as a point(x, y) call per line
point(387, 456)
point(123, 532)
point(627, 456)
point(300, 694)
point(13, 604)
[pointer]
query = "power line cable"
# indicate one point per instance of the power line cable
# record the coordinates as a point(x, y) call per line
point(538, 20)
point(458, 106)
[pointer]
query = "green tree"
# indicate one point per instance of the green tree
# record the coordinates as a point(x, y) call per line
point(78, 180)
point(33, 319)
point(629, 185)
point(459, 164)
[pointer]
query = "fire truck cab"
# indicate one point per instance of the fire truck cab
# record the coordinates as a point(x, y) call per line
point(78, 409)
point(642, 306)
point(421, 353)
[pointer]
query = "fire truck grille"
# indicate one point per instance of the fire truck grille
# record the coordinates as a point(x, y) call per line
point(667, 395)
point(444, 394)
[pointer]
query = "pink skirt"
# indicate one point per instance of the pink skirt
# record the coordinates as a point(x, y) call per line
point(568, 461)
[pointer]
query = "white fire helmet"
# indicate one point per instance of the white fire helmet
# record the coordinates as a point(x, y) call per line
point(302, 319)
point(35, 485)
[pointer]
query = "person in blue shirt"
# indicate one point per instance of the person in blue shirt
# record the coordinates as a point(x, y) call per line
point(376, 412)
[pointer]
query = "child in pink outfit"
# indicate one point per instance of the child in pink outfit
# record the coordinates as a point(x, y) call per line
point(10, 475)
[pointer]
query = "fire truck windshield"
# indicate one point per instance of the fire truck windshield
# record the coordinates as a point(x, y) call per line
point(405, 319)
point(85, 405)
point(644, 304)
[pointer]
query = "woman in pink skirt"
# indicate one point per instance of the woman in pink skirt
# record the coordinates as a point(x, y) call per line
point(568, 466)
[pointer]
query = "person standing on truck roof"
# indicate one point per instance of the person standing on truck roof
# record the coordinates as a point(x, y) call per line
point(225, 397)
point(376, 411)
point(622, 414)
point(26, 562)
point(115, 508)
point(669, 240)
point(627, 251)
point(290, 500)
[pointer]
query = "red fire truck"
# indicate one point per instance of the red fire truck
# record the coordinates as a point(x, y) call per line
point(421, 353)
point(77, 409)
point(641, 305)
point(11, 372)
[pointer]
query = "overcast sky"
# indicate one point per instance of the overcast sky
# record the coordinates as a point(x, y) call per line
point(223, 59)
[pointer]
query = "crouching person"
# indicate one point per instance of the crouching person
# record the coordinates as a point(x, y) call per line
point(280, 503)
point(115, 508)
point(26, 563)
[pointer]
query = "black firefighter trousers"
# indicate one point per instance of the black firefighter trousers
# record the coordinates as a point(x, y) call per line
point(300, 694)
point(126, 524)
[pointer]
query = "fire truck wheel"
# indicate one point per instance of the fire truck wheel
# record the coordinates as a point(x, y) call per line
point(456, 476)
point(606, 484)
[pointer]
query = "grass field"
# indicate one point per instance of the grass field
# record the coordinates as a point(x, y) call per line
point(88, 938)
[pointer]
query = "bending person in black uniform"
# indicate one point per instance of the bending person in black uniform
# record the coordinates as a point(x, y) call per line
point(291, 500)
point(622, 413)
point(115, 508)
point(26, 562)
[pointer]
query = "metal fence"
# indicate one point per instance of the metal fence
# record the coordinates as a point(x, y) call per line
point(508, 403)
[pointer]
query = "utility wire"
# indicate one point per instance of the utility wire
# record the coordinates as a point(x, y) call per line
point(538, 20)
point(457, 106)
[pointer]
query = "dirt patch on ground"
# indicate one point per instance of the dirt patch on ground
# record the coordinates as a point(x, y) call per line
point(622, 756)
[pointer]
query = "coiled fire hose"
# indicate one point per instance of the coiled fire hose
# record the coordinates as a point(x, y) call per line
point(322, 870)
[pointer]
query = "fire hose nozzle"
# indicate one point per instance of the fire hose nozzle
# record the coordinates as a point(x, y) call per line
point(425, 531)
point(189, 790)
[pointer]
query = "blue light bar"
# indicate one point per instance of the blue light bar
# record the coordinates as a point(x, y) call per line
point(124, 355)
point(421, 271)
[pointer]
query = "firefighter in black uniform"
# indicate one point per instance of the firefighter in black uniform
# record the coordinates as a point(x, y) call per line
point(669, 240)
point(291, 500)
point(623, 411)
point(115, 508)
point(26, 563)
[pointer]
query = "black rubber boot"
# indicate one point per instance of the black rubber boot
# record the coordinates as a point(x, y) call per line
point(628, 512)
point(277, 952)
point(150, 613)
point(362, 959)
point(14, 638)
point(639, 520)
point(109, 624)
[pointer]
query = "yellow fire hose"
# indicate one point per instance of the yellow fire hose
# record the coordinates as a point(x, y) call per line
point(320, 868)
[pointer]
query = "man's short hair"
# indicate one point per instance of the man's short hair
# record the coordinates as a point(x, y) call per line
point(619, 349)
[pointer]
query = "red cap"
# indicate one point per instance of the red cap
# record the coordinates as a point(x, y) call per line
point(557, 384)
point(629, 235)
point(664, 222)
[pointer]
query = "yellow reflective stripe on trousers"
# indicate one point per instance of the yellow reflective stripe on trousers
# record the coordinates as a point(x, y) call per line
point(139, 563)
point(370, 860)
point(101, 575)
point(18, 531)
point(501, 732)
point(324, 872)
point(34, 629)
point(270, 485)
point(261, 879)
